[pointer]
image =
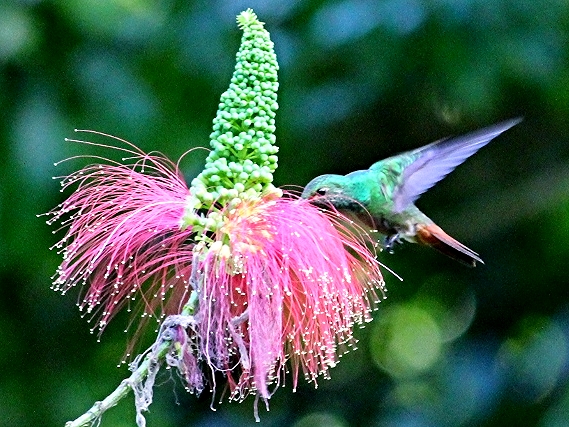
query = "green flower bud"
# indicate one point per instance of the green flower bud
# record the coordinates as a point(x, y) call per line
point(243, 155)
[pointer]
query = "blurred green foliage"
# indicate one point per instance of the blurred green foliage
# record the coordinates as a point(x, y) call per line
point(360, 80)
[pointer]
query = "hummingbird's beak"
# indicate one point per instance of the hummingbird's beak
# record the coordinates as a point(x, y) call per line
point(321, 201)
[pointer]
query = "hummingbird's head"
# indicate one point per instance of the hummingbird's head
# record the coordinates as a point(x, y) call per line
point(335, 190)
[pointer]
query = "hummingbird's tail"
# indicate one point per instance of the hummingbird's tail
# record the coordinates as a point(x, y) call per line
point(434, 236)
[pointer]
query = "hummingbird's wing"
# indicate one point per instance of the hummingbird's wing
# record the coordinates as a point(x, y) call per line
point(435, 161)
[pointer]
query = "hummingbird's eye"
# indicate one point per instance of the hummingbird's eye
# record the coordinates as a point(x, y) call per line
point(322, 191)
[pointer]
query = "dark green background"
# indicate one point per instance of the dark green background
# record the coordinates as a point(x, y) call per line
point(360, 80)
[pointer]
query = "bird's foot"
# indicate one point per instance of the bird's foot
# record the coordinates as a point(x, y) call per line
point(390, 241)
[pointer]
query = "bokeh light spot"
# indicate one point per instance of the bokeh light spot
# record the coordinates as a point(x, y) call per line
point(534, 357)
point(407, 340)
point(320, 419)
point(17, 33)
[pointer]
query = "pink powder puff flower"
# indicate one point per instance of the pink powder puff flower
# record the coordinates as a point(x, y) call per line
point(279, 282)
point(246, 282)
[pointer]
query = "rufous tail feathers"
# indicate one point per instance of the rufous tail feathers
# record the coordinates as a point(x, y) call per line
point(434, 236)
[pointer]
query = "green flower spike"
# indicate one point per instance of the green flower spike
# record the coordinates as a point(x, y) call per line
point(243, 157)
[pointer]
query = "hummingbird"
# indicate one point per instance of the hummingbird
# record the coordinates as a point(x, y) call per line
point(383, 196)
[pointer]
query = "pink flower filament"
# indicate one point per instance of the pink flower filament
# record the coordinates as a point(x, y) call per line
point(291, 288)
point(123, 239)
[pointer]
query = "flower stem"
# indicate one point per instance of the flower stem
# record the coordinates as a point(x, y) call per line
point(142, 378)
point(138, 376)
